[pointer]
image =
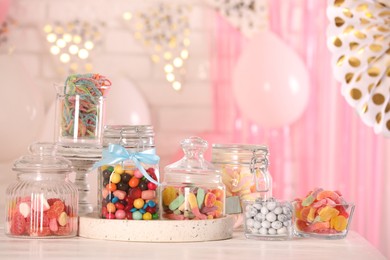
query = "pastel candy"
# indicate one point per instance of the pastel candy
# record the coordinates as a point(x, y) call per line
point(327, 213)
point(176, 202)
point(120, 194)
point(148, 194)
point(339, 223)
point(200, 197)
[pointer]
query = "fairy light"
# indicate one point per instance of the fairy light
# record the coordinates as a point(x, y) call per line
point(164, 30)
point(73, 43)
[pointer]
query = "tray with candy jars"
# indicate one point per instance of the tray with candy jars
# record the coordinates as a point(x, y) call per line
point(322, 214)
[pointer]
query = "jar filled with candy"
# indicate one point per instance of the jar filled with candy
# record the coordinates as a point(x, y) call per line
point(192, 188)
point(42, 203)
point(80, 109)
point(128, 173)
point(244, 170)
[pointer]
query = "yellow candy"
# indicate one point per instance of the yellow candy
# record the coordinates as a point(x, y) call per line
point(147, 216)
point(119, 169)
point(339, 223)
point(139, 203)
point(169, 194)
point(310, 216)
point(115, 177)
point(327, 213)
point(192, 200)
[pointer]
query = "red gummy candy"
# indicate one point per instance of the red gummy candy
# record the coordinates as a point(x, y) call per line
point(62, 231)
point(52, 200)
point(18, 224)
point(135, 193)
point(56, 209)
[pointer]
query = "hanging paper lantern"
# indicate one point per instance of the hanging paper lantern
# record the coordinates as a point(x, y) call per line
point(249, 16)
point(164, 31)
point(359, 39)
point(73, 43)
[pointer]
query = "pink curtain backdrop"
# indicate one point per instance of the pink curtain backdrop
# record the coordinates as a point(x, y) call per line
point(328, 146)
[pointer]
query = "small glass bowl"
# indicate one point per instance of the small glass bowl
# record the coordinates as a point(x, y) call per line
point(268, 219)
point(326, 222)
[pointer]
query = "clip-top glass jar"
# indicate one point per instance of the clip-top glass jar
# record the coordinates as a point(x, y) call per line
point(245, 173)
point(128, 173)
point(42, 202)
point(192, 188)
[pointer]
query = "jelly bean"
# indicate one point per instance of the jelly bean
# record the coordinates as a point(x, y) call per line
point(148, 194)
point(124, 186)
point(114, 200)
point(200, 195)
point(210, 199)
point(133, 210)
point(105, 192)
point(106, 174)
point(134, 181)
point(62, 219)
point(115, 178)
point(119, 205)
point(145, 206)
point(119, 169)
point(155, 216)
point(111, 207)
point(176, 202)
point(110, 216)
point(169, 194)
point(138, 174)
point(143, 185)
point(120, 214)
point(125, 178)
point(120, 194)
point(139, 203)
point(142, 211)
point(135, 193)
point(111, 187)
point(147, 216)
point(152, 186)
point(151, 203)
point(137, 215)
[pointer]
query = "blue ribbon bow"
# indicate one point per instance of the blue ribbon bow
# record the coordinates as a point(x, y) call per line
point(116, 153)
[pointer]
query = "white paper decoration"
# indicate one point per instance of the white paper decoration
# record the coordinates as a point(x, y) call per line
point(359, 38)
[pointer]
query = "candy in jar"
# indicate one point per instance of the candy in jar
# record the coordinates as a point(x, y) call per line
point(42, 202)
point(128, 174)
point(192, 188)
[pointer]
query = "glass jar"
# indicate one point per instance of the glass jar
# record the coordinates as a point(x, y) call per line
point(80, 109)
point(42, 202)
point(192, 188)
point(128, 173)
point(244, 170)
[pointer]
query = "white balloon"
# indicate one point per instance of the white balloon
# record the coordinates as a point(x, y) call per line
point(21, 109)
point(125, 105)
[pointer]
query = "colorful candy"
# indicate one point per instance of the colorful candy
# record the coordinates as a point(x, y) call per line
point(186, 203)
point(36, 216)
point(80, 106)
point(322, 212)
point(131, 196)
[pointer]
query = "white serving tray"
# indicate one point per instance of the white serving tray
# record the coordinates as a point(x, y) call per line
point(91, 226)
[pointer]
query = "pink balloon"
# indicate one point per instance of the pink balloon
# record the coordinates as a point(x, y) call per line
point(270, 82)
point(4, 4)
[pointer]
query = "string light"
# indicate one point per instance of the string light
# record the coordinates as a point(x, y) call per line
point(164, 30)
point(73, 42)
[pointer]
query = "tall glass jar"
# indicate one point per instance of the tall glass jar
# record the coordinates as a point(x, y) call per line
point(192, 188)
point(245, 173)
point(42, 202)
point(80, 109)
point(128, 173)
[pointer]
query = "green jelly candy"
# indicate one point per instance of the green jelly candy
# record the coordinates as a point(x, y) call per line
point(176, 202)
point(308, 201)
point(200, 197)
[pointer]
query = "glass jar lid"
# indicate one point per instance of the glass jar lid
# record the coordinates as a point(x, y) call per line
point(192, 167)
point(239, 154)
point(132, 136)
point(43, 159)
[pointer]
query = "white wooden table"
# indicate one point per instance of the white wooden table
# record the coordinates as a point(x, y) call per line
point(353, 247)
